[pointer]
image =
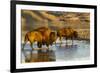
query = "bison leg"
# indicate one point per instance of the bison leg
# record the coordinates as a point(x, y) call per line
point(47, 44)
point(60, 38)
point(39, 44)
point(72, 41)
point(31, 51)
point(66, 41)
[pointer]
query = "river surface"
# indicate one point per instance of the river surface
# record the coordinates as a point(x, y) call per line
point(79, 51)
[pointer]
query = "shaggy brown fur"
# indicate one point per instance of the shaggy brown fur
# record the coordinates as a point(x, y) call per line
point(67, 33)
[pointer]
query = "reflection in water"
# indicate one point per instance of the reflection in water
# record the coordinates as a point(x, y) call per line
point(41, 56)
point(80, 51)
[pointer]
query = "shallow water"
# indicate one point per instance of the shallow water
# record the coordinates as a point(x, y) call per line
point(79, 51)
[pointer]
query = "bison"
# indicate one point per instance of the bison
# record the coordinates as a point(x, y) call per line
point(42, 35)
point(67, 33)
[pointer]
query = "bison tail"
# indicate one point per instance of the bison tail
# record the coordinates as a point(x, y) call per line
point(26, 38)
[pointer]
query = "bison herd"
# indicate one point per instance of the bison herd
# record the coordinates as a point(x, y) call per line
point(47, 36)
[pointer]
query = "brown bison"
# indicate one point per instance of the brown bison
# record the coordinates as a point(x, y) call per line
point(67, 33)
point(42, 35)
